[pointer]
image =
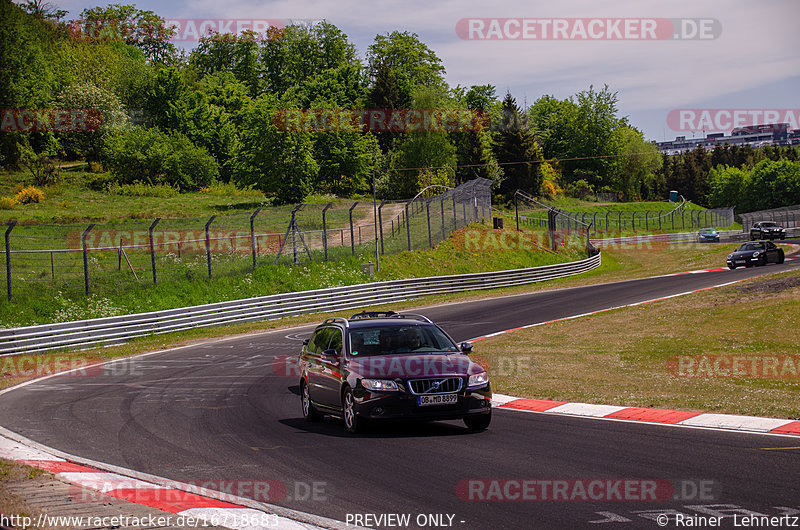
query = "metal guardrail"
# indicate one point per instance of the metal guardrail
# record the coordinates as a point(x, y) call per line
point(730, 235)
point(111, 331)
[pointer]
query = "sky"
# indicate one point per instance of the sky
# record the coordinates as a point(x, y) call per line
point(748, 58)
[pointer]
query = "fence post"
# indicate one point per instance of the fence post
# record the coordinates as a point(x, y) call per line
point(11, 226)
point(253, 235)
point(619, 221)
point(516, 210)
point(208, 245)
point(380, 222)
point(444, 233)
point(646, 223)
point(408, 226)
point(428, 213)
point(633, 220)
point(86, 259)
point(352, 237)
point(153, 250)
point(325, 230)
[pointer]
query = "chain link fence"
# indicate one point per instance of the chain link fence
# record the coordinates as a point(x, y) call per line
point(98, 258)
point(678, 219)
point(558, 228)
point(787, 217)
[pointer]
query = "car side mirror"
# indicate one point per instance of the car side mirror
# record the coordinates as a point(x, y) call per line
point(330, 355)
point(466, 347)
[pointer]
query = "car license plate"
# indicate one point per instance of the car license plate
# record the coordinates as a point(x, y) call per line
point(741, 261)
point(437, 399)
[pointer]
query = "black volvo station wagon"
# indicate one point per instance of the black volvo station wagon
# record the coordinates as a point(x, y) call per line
point(390, 366)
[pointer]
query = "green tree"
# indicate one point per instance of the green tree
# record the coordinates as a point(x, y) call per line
point(125, 23)
point(238, 54)
point(517, 151)
point(279, 163)
point(637, 172)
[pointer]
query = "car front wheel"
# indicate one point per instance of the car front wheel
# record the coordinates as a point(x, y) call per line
point(762, 260)
point(781, 257)
point(352, 422)
point(478, 423)
point(731, 267)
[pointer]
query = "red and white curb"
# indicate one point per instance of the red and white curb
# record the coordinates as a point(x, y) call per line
point(173, 498)
point(749, 424)
point(734, 422)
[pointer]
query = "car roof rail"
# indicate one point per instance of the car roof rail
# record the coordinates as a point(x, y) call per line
point(415, 316)
point(341, 320)
point(364, 315)
point(373, 314)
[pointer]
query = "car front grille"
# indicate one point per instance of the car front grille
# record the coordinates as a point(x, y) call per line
point(440, 385)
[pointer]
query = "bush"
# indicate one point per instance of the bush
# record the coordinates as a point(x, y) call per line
point(28, 195)
point(141, 189)
point(7, 203)
point(156, 157)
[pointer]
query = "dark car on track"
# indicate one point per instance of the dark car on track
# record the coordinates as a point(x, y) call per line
point(390, 366)
point(755, 253)
point(707, 235)
point(767, 230)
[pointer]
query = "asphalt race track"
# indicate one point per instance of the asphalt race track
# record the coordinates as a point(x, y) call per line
point(227, 411)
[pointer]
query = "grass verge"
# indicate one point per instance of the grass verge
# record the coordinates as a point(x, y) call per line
point(631, 356)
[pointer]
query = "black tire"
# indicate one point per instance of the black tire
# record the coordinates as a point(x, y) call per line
point(352, 422)
point(752, 238)
point(783, 237)
point(762, 260)
point(478, 423)
point(731, 267)
point(309, 412)
point(781, 257)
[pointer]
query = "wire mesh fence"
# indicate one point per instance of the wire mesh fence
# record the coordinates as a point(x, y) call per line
point(680, 218)
point(98, 258)
point(787, 216)
point(557, 229)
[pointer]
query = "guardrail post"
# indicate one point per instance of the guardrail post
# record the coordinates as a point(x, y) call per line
point(153, 250)
point(208, 245)
point(85, 259)
point(253, 235)
point(428, 213)
point(646, 223)
point(516, 210)
point(325, 231)
point(455, 214)
point(408, 226)
point(633, 220)
point(352, 236)
point(11, 226)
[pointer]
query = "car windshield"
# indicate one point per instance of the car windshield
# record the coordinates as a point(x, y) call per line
point(389, 340)
point(751, 246)
point(768, 225)
point(708, 231)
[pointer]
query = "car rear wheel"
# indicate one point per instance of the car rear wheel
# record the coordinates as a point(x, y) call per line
point(352, 422)
point(781, 257)
point(478, 423)
point(309, 412)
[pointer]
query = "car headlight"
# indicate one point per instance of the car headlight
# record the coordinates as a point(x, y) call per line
point(755, 254)
point(379, 385)
point(730, 256)
point(480, 379)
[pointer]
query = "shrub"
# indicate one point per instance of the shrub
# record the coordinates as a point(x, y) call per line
point(156, 157)
point(28, 195)
point(7, 203)
point(141, 189)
